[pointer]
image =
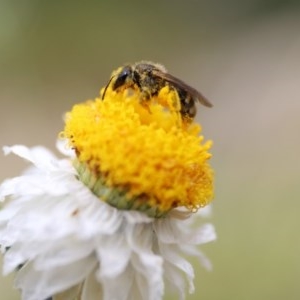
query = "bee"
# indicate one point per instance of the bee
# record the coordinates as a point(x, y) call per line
point(149, 79)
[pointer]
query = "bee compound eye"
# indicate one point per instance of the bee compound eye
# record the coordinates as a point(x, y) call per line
point(122, 77)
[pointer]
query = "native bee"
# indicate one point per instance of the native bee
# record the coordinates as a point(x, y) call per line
point(149, 79)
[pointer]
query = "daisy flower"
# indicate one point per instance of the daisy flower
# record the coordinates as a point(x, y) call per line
point(114, 218)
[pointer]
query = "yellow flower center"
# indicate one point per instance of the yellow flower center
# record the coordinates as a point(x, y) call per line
point(140, 154)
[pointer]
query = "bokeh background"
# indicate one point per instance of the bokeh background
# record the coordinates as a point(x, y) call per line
point(243, 55)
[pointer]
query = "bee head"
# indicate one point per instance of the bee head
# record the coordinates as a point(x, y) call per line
point(124, 78)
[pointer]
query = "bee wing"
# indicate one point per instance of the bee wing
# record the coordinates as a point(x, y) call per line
point(177, 83)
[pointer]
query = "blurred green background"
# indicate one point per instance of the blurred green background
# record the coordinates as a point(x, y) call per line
point(243, 55)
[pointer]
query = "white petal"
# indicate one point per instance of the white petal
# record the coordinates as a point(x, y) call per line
point(148, 264)
point(39, 156)
point(168, 230)
point(20, 186)
point(63, 252)
point(37, 285)
point(99, 218)
point(64, 148)
point(69, 294)
point(135, 217)
point(206, 211)
point(205, 234)
point(114, 255)
point(91, 289)
point(175, 279)
point(150, 281)
point(193, 251)
point(180, 213)
point(120, 287)
point(172, 255)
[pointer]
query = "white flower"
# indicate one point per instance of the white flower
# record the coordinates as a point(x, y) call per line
point(57, 235)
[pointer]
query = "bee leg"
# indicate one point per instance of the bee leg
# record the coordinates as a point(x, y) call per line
point(145, 99)
point(175, 106)
point(188, 108)
point(145, 95)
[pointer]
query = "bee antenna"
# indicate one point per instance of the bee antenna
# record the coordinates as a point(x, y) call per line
point(104, 92)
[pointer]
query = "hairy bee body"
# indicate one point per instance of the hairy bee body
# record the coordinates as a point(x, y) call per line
point(150, 78)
